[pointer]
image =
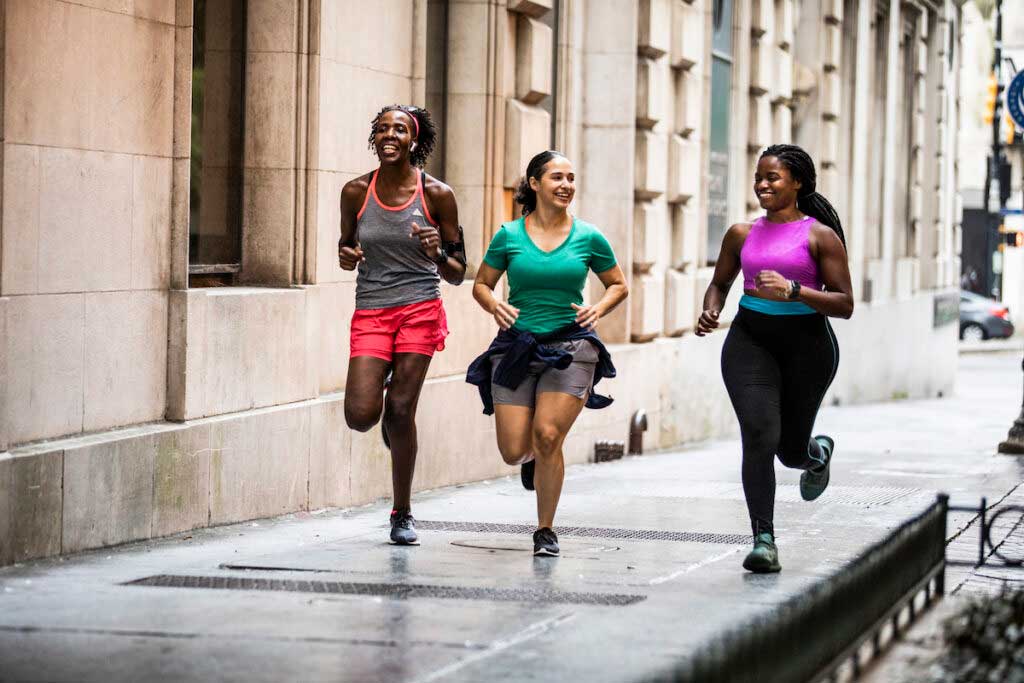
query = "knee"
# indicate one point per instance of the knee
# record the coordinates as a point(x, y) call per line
point(546, 439)
point(514, 455)
point(360, 419)
point(760, 439)
point(399, 410)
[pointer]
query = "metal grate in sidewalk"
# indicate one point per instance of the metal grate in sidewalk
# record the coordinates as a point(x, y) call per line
point(587, 532)
point(396, 591)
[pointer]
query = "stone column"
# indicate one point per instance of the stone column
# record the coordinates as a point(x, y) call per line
point(856, 234)
point(893, 95)
point(607, 157)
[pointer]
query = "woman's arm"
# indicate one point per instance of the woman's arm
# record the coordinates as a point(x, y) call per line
point(446, 212)
point(837, 299)
point(352, 196)
point(483, 291)
point(615, 291)
point(726, 268)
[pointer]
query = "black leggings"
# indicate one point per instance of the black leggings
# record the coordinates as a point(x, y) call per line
point(776, 369)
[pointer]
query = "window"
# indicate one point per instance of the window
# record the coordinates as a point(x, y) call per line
point(437, 80)
point(550, 103)
point(218, 106)
point(721, 95)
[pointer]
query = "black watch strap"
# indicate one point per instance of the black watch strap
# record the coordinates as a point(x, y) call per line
point(442, 257)
point(794, 289)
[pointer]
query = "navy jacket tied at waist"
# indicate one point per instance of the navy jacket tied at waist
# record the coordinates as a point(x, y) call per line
point(521, 348)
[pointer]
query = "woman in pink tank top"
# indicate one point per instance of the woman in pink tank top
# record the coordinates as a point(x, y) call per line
point(400, 229)
point(781, 353)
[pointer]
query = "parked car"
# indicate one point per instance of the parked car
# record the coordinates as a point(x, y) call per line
point(982, 318)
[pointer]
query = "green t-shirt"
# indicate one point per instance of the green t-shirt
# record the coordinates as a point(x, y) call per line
point(543, 285)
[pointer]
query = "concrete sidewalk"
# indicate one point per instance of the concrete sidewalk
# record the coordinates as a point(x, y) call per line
point(322, 597)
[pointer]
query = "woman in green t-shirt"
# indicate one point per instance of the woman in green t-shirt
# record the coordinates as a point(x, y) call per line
point(541, 368)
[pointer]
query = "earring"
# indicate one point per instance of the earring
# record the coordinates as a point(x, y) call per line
point(412, 147)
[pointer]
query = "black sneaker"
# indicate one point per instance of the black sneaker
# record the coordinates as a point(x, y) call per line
point(545, 542)
point(526, 474)
point(403, 528)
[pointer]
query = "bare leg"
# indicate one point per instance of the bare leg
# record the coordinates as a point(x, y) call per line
point(515, 433)
point(364, 391)
point(553, 417)
point(408, 372)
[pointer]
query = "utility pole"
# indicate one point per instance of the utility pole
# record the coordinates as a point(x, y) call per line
point(1014, 443)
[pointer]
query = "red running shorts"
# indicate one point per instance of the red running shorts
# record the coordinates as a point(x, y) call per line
point(413, 328)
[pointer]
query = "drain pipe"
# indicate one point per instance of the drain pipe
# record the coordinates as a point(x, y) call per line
point(637, 427)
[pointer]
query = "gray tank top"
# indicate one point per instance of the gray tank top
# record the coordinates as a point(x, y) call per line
point(397, 271)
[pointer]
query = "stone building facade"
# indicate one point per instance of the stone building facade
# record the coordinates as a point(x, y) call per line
point(173, 321)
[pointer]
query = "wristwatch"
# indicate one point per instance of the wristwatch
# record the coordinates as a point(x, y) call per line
point(794, 289)
point(442, 257)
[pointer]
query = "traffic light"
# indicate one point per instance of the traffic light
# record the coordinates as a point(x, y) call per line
point(991, 97)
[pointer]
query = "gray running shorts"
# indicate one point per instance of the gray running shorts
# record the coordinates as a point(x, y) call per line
point(575, 379)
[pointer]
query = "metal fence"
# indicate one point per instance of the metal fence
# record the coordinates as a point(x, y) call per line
point(810, 635)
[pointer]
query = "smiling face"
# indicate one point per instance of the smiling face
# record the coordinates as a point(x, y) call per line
point(557, 185)
point(774, 185)
point(392, 136)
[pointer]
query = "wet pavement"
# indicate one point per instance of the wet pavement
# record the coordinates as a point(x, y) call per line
point(650, 567)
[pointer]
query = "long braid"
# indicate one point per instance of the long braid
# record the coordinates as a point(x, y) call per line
point(808, 199)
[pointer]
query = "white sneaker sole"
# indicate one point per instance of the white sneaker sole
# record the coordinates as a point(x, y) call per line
point(416, 542)
point(545, 553)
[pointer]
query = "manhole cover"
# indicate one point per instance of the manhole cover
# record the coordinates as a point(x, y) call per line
point(396, 591)
point(587, 532)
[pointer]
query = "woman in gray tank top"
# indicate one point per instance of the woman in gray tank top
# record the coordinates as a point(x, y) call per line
point(400, 229)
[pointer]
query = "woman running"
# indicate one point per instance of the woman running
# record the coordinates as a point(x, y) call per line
point(540, 370)
point(400, 228)
point(781, 354)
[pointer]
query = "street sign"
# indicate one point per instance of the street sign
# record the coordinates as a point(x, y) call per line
point(1014, 101)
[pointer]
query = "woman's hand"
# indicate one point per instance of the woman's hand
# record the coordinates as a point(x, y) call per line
point(349, 257)
point(773, 283)
point(587, 316)
point(430, 239)
point(707, 323)
point(505, 315)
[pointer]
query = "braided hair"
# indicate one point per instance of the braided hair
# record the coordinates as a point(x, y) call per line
point(526, 195)
point(424, 131)
point(808, 200)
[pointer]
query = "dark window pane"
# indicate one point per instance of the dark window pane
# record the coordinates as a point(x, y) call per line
point(549, 103)
point(721, 22)
point(718, 167)
point(437, 80)
point(218, 104)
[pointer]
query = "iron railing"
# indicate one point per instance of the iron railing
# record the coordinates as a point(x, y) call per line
point(812, 634)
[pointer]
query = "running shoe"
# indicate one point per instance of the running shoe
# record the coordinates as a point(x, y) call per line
point(526, 471)
point(545, 542)
point(814, 481)
point(403, 528)
point(764, 558)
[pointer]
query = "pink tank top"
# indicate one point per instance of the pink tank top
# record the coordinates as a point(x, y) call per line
point(782, 247)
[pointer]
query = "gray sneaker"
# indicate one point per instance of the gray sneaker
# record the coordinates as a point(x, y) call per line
point(814, 481)
point(403, 528)
point(764, 558)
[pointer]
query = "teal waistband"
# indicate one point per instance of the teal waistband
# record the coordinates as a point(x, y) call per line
point(770, 307)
